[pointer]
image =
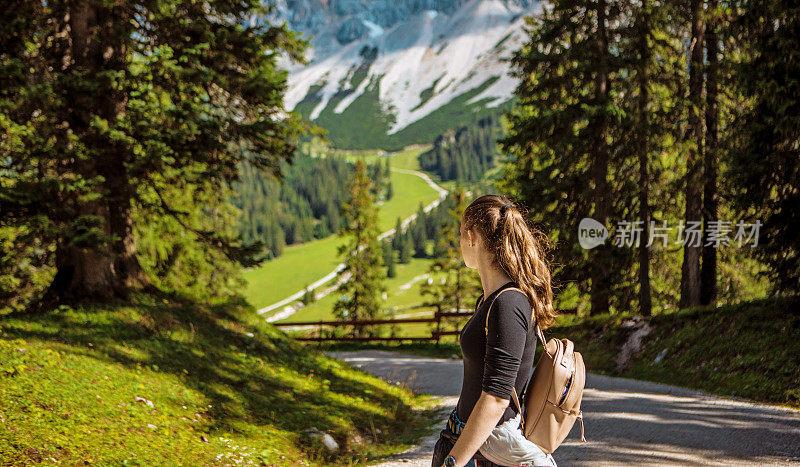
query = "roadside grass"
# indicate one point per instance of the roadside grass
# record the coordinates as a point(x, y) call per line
point(169, 383)
point(749, 350)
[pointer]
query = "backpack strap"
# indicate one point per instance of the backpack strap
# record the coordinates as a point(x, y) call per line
point(539, 334)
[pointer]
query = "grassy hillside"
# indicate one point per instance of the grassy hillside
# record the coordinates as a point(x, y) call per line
point(402, 295)
point(749, 350)
point(184, 384)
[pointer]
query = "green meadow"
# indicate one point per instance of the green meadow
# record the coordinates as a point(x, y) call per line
point(403, 300)
point(302, 264)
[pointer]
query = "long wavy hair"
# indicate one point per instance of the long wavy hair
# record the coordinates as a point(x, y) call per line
point(521, 250)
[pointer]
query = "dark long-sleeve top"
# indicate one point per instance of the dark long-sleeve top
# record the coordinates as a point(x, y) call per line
point(502, 360)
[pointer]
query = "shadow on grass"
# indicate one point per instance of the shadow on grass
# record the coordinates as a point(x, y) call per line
point(252, 374)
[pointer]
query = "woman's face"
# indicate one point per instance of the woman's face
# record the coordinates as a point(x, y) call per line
point(469, 247)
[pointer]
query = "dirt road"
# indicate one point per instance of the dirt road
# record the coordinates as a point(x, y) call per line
point(627, 421)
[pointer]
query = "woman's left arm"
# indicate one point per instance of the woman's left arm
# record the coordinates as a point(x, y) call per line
point(506, 334)
point(481, 422)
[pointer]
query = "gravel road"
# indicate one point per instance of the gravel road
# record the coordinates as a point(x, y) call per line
point(627, 421)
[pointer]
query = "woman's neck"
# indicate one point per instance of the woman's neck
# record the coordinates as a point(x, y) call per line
point(492, 278)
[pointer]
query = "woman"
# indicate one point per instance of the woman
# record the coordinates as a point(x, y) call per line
point(498, 242)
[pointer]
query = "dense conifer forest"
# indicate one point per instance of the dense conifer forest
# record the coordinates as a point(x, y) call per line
point(304, 205)
point(463, 154)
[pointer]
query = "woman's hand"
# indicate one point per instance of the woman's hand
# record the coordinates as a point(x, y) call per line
point(481, 422)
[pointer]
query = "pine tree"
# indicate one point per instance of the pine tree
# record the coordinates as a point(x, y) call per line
point(643, 35)
point(360, 294)
point(397, 238)
point(708, 271)
point(765, 168)
point(467, 151)
point(309, 296)
point(690, 270)
point(388, 252)
point(406, 247)
point(419, 241)
point(418, 231)
point(110, 104)
point(654, 54)
point(456, 282)
point(391, 271)
point(563, 139)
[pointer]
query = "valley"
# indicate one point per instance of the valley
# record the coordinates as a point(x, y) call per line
point(272, 290)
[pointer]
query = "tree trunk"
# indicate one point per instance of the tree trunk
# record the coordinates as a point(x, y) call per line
point(128, 269)
point(690, 270)
point(599, 297)
point(90, 272)
point(119, 191)
point(708, 291)
point(82, 274)
point(645, 301)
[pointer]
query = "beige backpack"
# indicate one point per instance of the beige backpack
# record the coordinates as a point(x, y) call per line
point(553, 394)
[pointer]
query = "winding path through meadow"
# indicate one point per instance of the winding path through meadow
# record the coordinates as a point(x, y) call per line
point(290, 310)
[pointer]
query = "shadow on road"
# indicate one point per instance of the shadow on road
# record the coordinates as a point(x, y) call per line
point(631, 422)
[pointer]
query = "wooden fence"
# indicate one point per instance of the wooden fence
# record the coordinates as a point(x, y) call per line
point(436, 333)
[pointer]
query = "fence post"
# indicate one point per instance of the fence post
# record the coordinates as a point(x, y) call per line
point(438, 315)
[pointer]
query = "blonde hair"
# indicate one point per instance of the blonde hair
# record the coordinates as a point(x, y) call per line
point(520, 250)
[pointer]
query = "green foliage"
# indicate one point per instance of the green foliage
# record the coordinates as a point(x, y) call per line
point(388, 252)
point(451, 282)
point(418, 233)
point(765, 168)
point(360, 295)
point(406, 247)
point(464, 154)
point(310, 296)
point(594, 95)
point(562, 134)
point(24, 268)
point(300, 206)
point(178, 260)
point(103, 105)
point(397, 237)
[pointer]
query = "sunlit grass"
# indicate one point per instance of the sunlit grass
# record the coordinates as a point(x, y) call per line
point(186, 385)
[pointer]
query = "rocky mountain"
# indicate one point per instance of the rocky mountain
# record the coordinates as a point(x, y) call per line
point(378, 67)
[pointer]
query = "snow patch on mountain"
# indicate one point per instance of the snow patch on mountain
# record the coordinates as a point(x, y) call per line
point(420, 54)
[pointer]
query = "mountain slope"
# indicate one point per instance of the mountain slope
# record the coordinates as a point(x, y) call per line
point(378, 67)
